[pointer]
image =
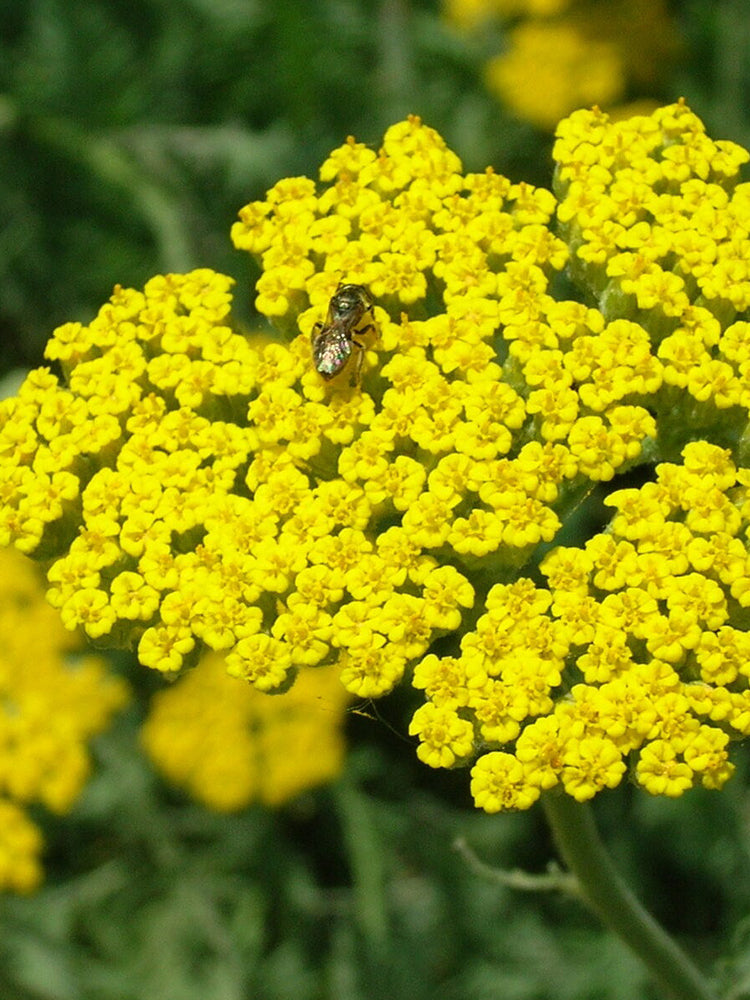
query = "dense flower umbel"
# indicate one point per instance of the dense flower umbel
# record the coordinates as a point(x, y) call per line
point(230, 745)
point(50, 706)
point(191, 490)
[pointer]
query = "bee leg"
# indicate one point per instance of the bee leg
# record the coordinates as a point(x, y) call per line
point(314, 333)
point(356, 363)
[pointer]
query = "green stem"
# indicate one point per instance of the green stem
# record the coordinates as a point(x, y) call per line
point(604, 891)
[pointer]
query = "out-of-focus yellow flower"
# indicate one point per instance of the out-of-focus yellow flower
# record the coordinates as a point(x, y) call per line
point(230, 745)
point(559, 55)
point(550, 68)
point(472, 13)
point(53, 699)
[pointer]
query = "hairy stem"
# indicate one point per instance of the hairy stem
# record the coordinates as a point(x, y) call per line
point(604, 891)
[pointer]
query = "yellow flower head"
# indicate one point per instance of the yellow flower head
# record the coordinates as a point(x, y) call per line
point(385, 508)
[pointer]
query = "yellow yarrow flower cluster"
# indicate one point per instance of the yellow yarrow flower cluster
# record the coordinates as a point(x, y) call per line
point(561, 54)
point(230, 745)
point(52, 701)
point(191, 489)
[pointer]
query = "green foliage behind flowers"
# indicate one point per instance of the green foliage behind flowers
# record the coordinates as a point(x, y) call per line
point(189, 489)
point(129, 133)
point(356, 884)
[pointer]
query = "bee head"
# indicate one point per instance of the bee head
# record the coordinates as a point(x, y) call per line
point(350, 303)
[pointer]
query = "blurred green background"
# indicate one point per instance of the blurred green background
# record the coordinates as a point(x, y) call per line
point(130, 135)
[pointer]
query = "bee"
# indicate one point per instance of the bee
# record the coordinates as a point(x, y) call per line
point(334, 342)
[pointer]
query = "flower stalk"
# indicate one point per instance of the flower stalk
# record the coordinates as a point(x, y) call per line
point(606, 894)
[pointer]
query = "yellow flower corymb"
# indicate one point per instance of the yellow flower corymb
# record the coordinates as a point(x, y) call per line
point(191, 487)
